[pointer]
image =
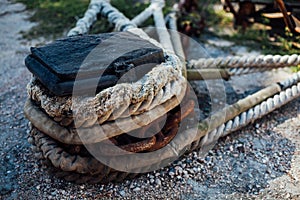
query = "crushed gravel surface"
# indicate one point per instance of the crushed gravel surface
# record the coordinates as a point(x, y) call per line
point(260, 161)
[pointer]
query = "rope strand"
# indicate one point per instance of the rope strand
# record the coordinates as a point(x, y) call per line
point(270, 61)
point(291, 91)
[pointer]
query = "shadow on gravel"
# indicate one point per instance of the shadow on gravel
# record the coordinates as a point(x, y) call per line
point(244, 163)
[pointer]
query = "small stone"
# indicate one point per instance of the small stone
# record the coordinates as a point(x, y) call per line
point(137, 189)
point(158, 182)
point(186, 176)
point(122, 193)
point(281, 168)
point(171, 174)
point(273, 176)
point(178, 169)
point(195, 169)
point(151, 176)
point(151, 180)
point(48, 180)
point(215, 169)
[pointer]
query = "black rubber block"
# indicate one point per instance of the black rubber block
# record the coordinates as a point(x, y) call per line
point(95, 62)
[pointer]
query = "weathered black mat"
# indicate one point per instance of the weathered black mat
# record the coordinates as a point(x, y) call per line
point(95, 61)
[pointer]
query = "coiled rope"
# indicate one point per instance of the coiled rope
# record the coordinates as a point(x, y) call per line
point(229, 119)
point(231, 66)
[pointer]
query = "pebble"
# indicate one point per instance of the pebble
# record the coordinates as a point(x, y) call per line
point(152, 180)
point(171, 174)
point(158, 182)
point(137, 189)
point(122, 193)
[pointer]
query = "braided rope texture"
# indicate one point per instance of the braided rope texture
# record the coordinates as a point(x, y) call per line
point(124, 100)
point(105, 9)
point(72, 161)
point(76, 135)
point(119, 101)
point(247, 70)
point(264, 61)
point(47, 150)
point(252, 114)
point(83, 25)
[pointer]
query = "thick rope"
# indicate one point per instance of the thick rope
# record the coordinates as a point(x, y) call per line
point(103, 7)
point(47, 148)
point(115, 17)
point(291, 91)
point(236, 116)
point(161, 28)
point(265, 61)
point(119, 101)
point(175, 37)
point(145, 14)
point(90, 17)
point(95, 133)
point(252, 114)
point(247, 70)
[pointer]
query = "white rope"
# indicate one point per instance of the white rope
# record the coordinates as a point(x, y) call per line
point(248, 70)
point(171, 19)
point(175, 36)
point(115, 17)
point(271, 61)
point(147, 13)
point(291, 92)
point(161, 28)
point(233, 65)
point(83, 25)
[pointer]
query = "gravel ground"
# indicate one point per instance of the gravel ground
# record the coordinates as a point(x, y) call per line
point(260, 161)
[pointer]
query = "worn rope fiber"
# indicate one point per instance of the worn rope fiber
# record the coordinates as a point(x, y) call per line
point(119, 101)
point(64, 159)
point(122, 100)
point(248, 70)
point(69, 167)
point(96, 133)
point(95, 172)
point(43, 142)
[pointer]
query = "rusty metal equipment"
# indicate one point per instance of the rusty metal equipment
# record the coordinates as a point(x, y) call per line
point(282, 13)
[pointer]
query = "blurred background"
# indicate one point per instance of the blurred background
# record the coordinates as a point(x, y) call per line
point(259, 24)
